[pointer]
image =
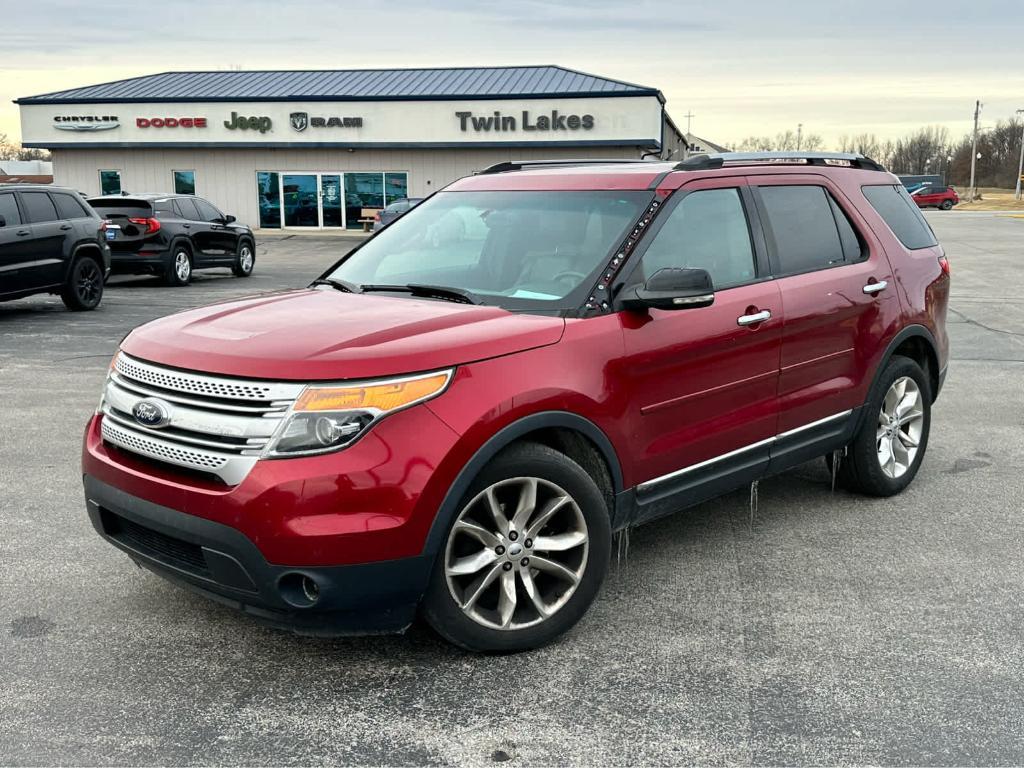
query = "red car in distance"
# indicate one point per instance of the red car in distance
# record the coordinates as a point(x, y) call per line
point(942, 198)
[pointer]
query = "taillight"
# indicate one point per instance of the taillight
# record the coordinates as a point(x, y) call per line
point(151, 225)
point(944, 265)
point(376, 216)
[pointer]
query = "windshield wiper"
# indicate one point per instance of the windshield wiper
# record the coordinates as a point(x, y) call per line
point(426, 291)
point(338, 283)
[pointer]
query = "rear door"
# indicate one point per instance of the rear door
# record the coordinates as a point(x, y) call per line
point(44, 266)
point(15, 245)
point(703, 381)
point(193, 225)
point(839, 301)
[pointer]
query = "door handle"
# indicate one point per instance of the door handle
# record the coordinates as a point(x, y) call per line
point(23, 233)
point(754, 319)
point(875, 287)
point(65, 227)
point(187, 226)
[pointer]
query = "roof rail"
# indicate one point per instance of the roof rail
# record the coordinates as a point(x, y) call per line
point(518, 165)
point(724, 159)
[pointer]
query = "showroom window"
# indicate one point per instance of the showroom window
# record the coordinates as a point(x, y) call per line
point(184, 182)
point(110, 182)
point(269, 189)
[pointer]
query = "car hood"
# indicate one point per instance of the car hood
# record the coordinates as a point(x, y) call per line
point(320, 334)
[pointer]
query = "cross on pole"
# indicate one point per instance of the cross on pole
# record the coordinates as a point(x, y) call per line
point(688, 116)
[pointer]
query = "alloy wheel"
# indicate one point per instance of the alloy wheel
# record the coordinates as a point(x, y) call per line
point(245, 259)
point(88, 282)
point(182, 266)
point(900, 424)
point(516, 553)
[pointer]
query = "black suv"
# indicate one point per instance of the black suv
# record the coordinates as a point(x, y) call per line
point(171, 235)
point(51, 242)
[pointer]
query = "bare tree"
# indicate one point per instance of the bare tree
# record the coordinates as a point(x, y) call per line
point(11, 151)
point(781, 142)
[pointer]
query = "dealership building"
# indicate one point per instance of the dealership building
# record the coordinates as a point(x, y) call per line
point(320, 149)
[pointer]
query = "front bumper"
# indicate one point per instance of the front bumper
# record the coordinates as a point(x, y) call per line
point(221, 563)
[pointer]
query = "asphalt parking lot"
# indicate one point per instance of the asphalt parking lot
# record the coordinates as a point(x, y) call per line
point(825, 629)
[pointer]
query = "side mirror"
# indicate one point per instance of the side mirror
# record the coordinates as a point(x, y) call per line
point(672, 289)
point(229, 219)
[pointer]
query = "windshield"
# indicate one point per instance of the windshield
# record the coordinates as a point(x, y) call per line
point(513, 249)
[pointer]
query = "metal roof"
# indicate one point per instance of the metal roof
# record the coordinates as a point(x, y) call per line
point(350, 85)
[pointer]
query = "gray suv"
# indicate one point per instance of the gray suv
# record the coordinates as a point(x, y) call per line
point(51, 241)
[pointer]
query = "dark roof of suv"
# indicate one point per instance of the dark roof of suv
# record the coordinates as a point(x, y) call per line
point(350, 85)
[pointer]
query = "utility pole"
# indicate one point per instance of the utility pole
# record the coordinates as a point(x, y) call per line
point(974, 151)
point(1020, 164)
point(688, 115)
point(799, 133)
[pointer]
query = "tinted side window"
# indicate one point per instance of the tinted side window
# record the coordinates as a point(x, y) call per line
point(68, 207)
point(802, 228)
point(187, 209)
point(901, 213)
point(853, 249)
point(164, 209)
point(206, 211)
point(9, 210)
point(38, 207)
point(707, 230)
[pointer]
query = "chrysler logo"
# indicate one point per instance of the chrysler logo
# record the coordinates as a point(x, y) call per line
point(299, 120)
point(152, 413)
point(87, 123)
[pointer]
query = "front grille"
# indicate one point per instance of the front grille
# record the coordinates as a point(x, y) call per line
point(214, 425)
point(159, 546)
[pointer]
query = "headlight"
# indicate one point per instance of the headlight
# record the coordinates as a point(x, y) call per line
point(110, 370)
point(328, 418)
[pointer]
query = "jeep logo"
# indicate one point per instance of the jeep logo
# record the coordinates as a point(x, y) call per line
point(242, 123)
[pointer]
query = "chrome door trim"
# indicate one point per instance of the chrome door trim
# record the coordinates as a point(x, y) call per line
point(648, 484)
point(700, 465)
point(813, 424)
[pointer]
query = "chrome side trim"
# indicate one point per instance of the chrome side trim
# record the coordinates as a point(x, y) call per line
point(700, 465)
point(647, 485)
point(813, 424)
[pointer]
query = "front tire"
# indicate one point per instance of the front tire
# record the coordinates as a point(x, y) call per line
point(245, 259)
point(179, 271)
point(946, 205)
point(524, 557)
point(83, 289)
point(890, 445)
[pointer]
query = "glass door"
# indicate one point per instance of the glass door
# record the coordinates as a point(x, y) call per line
point(301, 199)
point(330, 200)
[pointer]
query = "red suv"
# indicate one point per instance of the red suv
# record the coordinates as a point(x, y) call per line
point(943, 198)
point(459, 414)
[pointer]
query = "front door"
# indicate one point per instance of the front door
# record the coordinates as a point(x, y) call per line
point(704, 381)
point(301, 198)
point(331, 201)
point(15, 245)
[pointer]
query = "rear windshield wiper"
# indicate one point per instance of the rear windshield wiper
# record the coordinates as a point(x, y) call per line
point(427, 291)
point(341, 285)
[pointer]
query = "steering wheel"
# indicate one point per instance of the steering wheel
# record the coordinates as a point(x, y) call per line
point(579, 276)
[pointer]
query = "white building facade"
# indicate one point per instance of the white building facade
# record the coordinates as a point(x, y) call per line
point(317, 149)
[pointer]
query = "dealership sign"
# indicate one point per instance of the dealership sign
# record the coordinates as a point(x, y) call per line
point(170, 122)
point(555, 121)
point(85, 122)
point(301, 120)
point(242, 123)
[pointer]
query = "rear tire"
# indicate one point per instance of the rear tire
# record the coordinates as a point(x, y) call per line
point(524, 557)
point(245, 259)
point(83, 289)
point(179, 271)
point(946, 205)
point(890, 445)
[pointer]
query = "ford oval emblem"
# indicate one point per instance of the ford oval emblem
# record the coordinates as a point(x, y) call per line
point(152, 413)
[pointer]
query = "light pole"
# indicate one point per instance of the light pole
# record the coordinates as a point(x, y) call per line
point(1020, 163)
point(799, 132)
point(974, 151)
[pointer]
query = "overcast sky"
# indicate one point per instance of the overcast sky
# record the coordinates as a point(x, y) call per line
point(741, 68)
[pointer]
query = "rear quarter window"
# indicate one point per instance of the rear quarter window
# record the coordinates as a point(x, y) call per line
point(69, 207)
point(894, 204)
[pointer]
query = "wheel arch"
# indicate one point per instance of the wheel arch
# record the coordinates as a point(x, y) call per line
point(84, 249)
point(917, 343)
point(571, 434)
